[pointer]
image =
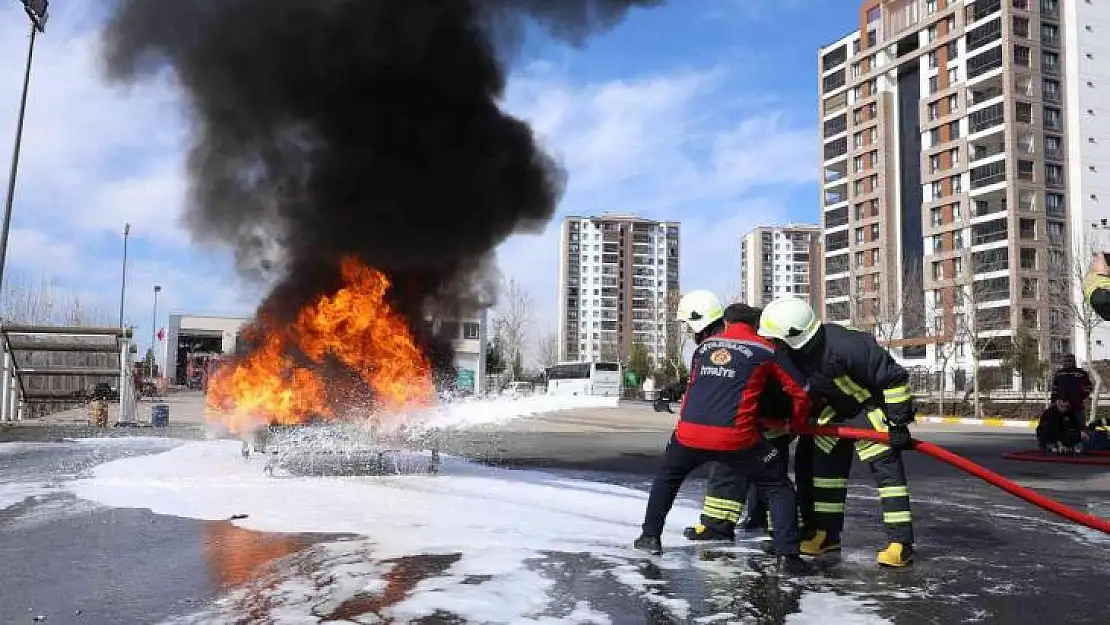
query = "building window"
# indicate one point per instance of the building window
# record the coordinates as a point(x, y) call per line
point(1021, 56)
point(1050, 89)
point(953, 103)
point(934, 59)
point(1021, 26)
point(953, 49)
point(933, 84)
point(953, 75)
point(470, 330)
point(1050, 61)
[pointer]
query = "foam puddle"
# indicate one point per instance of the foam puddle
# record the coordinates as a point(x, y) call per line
point(498, 523)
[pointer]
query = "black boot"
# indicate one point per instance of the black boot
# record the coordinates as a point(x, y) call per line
point(703, 532)
point(650, 544)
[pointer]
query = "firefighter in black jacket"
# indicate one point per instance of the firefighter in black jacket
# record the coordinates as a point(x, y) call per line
point(860, 383)
point(725, 504)
point(1096, 286)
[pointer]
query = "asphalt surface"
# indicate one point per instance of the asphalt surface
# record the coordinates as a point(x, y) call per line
point(983, 555)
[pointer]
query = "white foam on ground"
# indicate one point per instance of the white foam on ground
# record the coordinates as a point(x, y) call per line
point(13, 494)
point(9, 449)
point(497, 519)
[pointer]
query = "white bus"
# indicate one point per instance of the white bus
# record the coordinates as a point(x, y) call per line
point(602, 379)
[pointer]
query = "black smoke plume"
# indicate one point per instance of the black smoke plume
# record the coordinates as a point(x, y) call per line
point(325, 128)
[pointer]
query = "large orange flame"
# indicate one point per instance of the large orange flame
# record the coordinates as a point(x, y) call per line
point(354, 326)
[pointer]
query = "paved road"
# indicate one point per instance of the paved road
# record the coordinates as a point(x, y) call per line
point(984, 556)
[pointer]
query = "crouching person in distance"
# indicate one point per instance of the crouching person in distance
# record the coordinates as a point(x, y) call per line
point(717, 423)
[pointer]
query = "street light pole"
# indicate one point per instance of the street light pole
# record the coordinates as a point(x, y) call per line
point(153, 329)
point(37, 11)
point(123, 281)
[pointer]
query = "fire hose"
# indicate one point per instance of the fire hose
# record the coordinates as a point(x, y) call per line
point(967, 466)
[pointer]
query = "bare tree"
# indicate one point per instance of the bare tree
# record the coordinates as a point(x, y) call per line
point(547, 349)
point(42, 302)
point(512, 317)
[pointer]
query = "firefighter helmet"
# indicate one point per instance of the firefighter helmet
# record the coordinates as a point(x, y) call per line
point(699, 309)
point(791, 320)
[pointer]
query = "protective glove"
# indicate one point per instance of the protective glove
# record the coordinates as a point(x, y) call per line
point(900, 437)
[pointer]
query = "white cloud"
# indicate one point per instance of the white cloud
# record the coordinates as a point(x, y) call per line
point(681, 146)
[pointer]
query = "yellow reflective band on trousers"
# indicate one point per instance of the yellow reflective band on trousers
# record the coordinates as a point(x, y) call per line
point(897, 394)
point(897, 517)
point(723, 509)
point(830, 482)
point(828, 507)
point(894, 491)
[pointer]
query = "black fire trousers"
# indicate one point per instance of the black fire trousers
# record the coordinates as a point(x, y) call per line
point(832, 462)
point(725, 504)
point(760, 464)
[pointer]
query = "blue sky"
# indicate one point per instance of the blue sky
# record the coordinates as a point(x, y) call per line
point(703, 112)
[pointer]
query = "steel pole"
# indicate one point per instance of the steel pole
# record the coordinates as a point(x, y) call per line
point(153, 327)
point(8, 201)
point(123, 279)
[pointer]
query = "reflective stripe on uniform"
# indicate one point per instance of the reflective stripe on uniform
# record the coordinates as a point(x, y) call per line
point(849, 387)
point(827, 507)
point(869, 450)
point(825, 443)
point(897, 517)
point(894, 491)
point(830, 482)
point(878, 420)
point(723, 509)
point(897, 394)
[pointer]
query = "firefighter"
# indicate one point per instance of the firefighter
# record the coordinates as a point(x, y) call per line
point(1096, 286)
point(724, 505)
point(859, 383)
point(717, 423)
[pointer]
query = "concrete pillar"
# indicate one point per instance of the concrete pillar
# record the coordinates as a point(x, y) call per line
point(5, 385)
point(19, 406)
point(124, 380)
point(13, 396)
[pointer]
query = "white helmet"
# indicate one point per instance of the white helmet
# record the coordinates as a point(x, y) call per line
point(790, 320)
point(698, 309)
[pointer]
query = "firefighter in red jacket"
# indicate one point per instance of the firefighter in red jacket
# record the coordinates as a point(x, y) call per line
point(717, 423)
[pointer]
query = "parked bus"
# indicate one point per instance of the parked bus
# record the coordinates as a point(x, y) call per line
point(601, 379)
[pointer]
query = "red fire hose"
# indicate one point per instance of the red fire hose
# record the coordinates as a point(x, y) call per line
point(978, 471)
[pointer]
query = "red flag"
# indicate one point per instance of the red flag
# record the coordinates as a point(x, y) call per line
point(161, 334)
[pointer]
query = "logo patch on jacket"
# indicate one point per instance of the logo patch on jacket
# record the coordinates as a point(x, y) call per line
point(721, 357)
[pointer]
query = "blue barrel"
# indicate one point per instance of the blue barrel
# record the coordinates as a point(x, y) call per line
point(160, 415)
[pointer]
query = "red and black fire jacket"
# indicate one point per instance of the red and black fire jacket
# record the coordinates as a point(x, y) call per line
point(728, 374)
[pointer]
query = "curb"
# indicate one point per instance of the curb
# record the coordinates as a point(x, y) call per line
point(998, 423)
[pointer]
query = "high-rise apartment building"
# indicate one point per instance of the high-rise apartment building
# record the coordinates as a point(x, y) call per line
point(953, 145)
point(618, 286)
point(777, 261)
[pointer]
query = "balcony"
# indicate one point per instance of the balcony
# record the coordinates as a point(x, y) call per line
point(833, 81)
point(836, 195)
point(836, 125)
point(835, 172)
point(836, 148)
point(987, 118)
point(986, 147)
point(985, 62)
point(986, 175)
point(983, 35)
point(983, 8)
point(985, 91)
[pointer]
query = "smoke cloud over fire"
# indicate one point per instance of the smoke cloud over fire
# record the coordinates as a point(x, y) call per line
point(340, 142)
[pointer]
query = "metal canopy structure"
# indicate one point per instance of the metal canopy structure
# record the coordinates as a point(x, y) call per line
point(49, 368)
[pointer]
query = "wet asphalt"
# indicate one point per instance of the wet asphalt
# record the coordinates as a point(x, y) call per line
point(983, 556)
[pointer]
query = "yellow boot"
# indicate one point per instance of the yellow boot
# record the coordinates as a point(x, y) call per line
point(896, 555)
point(819, 543)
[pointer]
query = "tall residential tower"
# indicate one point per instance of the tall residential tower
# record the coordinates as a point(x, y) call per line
point(618, 286)
point(777, 261)
point(955, 143)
